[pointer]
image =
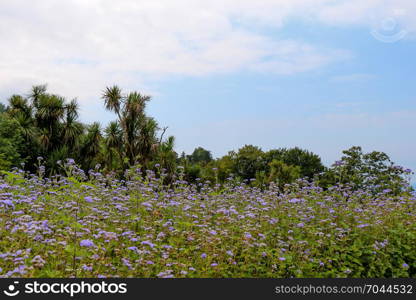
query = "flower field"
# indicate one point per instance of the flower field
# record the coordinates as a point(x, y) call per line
point(100, 226)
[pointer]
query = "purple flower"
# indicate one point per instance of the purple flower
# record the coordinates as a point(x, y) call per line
point(86, 243)
point(8, 202)
point(126, 262)
point(88, 199)
point(405, 265)
point(248, 235)
point(203, 255)
point(133, 249)
point(282, 258)
point(148, 243)
point(300, 225)
point(87, 268)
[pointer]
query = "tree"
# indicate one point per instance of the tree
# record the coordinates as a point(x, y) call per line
point(249, 160)
point(167, 157)
point(3, 108)
point(138, 130)
point(200, 155)
point(373, 172)
point(282, 173)
point(91, 146)
point(49, 124)
point(11, 142)
point(114, 145)
point(310, 164)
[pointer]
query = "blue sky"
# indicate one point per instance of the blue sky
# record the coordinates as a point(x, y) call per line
point(323, 75)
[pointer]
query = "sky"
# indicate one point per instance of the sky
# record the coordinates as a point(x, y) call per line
point(323, 75)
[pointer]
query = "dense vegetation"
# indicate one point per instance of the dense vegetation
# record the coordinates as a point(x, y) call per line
point(101, 226)
point(46, 125)
point(81, 200)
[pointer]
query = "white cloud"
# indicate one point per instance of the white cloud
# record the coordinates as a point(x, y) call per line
point(79, 46)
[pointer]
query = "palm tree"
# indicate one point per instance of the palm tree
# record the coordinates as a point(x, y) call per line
point(49, 114)
point(113, 142)
point(138, 130)
point(167, 156)
point(71, 131)
point(91, 145)
point(19, 105)
point(147, 143)
point(36, 92)
point(113, 99)
point(47, 121)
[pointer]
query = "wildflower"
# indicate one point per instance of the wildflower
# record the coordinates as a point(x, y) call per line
point(70, 161)
point(38, 261)
point(282, 258)
point(248, 235)
point(214, 264)
point(203, 255)
point(150, 244)
point(133, 249)
point(126, 262)
point(300, 225)
point(405, 265)
point(87, 268)
point(8, 202)
point(230, 253)
point(88, 199)
point(86, 243)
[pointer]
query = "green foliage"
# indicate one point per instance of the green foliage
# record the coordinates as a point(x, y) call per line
point(49, 126)
point(46, 125)
point(373, 172)
point(200, 156)
point(11, 143)
point(143, 228)
point(249, 160)
point(282, 173)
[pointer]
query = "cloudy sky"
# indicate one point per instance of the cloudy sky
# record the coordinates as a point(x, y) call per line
point(319, 74)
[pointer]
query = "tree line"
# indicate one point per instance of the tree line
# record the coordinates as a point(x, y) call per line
point(44, 128)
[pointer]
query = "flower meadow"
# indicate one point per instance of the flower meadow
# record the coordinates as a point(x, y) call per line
point(95, 225)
